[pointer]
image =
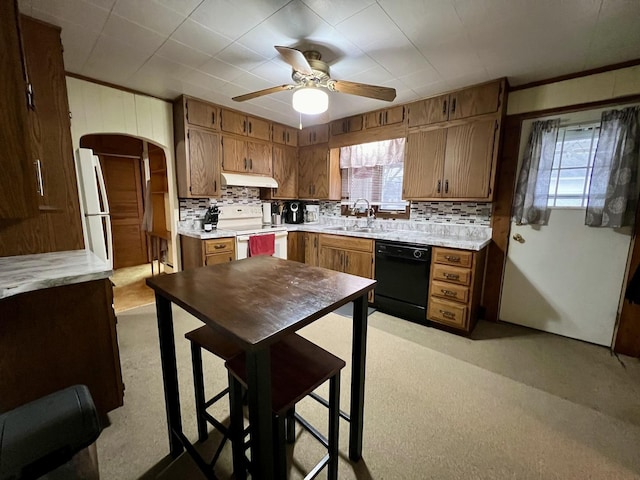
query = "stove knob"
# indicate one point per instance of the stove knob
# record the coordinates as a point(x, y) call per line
point(417, 253)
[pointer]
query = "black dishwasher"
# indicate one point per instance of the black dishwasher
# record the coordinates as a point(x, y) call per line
point(402, 273)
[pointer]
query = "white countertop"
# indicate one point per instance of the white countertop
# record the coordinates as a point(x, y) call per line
point(437, 235)
point(27, 273)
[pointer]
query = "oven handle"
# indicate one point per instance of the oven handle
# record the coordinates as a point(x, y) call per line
point(245, 238)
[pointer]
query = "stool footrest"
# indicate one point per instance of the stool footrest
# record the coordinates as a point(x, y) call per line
point(344, 415)
point(318, 468)
point(312, 430)
point(214, 399)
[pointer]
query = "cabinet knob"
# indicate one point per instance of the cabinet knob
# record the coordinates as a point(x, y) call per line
point(518, 238)
point(447, 314)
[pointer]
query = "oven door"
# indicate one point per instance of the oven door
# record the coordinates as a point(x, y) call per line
point(242, 244)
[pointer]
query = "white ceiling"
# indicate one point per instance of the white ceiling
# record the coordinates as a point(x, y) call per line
point(217, 49)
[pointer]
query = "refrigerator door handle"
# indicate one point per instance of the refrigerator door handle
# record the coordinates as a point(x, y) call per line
point(101, 185)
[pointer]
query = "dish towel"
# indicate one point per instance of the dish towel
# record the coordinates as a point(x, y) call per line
point(262, 244)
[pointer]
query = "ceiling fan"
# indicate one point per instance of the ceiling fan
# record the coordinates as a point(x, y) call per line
point(311, 77)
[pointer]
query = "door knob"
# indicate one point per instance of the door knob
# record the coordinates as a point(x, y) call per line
point(518, 238)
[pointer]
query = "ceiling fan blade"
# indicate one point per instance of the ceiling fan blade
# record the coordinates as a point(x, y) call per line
point(260, 93)
point(363, 90)
point(296, 59)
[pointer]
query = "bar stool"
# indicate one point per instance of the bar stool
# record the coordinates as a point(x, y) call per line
point(207, 338)
point(297, 368)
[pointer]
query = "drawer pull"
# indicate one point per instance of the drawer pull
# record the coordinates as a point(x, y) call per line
point(453, 258)
point(451, 276)
point(448, 293)
point(219, 246)
point(447, 314)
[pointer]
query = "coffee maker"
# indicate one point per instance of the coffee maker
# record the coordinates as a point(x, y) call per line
point(293, 212)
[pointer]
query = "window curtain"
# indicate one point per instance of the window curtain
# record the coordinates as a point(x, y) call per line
point(532, 190)
point(614, 189)
point(373, 154)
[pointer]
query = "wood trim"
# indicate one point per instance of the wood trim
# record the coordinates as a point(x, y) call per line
point(569, 76)
point(113, 85)
point(612, 102)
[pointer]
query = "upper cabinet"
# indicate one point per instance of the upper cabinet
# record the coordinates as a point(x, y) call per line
point(201, 114)
point(469, 102)
point(285, 172)
point(284, 135)
point(18, 180)
point(242, 156)
point(313, 135)
point(319, 173)
point(380, 118)
point(347, 125)
point(198, 159)
point(240, 124)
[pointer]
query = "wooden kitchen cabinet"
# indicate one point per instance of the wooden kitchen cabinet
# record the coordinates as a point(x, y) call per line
point(198, 156)
point(201, 114)
point(243, 156)
point(469, 102)
point(380, 118)
point(295, 246)
point(241, 124)
point(58, 337)
point(347, 254)
point(18, 179)
point(346, 125)
point(319, 173)
point(284, 135)
point(198, 253)
point(313, 135)
point(57, 225)
point(285, 172)
point(456, 163)
point(311, 248)
point(455, 287)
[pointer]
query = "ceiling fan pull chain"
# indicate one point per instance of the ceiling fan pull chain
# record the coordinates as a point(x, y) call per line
point(300, 121)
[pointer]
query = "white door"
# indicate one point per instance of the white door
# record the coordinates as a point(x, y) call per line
point(564, 277)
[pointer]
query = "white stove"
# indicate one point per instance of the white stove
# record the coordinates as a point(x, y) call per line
point(246, 220)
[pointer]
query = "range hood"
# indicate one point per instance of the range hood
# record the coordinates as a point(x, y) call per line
point(244, 180)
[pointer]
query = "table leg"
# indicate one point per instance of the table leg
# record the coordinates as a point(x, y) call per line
point(169, 373)
point(358, 364)
point(259, 391)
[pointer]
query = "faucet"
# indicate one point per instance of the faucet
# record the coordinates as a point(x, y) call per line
point(370, 213)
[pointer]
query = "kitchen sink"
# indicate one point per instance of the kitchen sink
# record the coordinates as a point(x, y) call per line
point(364, 229)
point(350, 229)
point(341, 229)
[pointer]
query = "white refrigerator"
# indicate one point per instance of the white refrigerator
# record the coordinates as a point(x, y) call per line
point(94, 205)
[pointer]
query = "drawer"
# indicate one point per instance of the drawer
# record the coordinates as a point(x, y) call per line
point(448, 313)
point(447, 256)
point(346, 243)
point(450, 291)
point(219, 245)
point(461, 276)
point(219, 258)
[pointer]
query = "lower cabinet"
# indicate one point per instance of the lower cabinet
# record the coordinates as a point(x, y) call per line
point(455, 287)
point(347, 254)
point(198, 253)
point(295, 246)
point(311, 248)
point(57, 337)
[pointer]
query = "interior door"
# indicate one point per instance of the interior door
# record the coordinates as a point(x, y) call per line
point(123, 180)
point(564, 277)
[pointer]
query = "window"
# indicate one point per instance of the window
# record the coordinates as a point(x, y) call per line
point(572, 165)
point(374, 171)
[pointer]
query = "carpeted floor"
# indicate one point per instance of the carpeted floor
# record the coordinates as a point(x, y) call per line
point(509, 402)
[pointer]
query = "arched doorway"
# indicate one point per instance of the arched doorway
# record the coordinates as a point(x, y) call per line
point(135, 174)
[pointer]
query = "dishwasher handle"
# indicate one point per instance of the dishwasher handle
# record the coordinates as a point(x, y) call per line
point(413, 254)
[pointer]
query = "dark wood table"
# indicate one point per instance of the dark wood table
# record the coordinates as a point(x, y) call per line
point(256, 302)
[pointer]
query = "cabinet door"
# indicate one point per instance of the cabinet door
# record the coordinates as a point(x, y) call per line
point(259, 158)
point(431, 110)
point(347, 125)
point(285, 171)
point(258, 128)
point(201, 114)
point(373, 119)
point(306, 172)
point(204, 163)
point(295, 246)
point(423, 164)
point(319, 171)
point(475, 101)
point(468, 160)
point(358, 263)
point(394, 115)
point(338, 127)
point(284, 135)
point(218, 258)
point(233, 122)
point(331, 258)
point(320, 133)
point(311, 249)
point(234, 155)
point(18, 180)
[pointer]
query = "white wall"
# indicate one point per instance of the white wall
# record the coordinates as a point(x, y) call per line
point(99, 109)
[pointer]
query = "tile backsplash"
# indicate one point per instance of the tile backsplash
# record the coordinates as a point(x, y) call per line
point(192, 208)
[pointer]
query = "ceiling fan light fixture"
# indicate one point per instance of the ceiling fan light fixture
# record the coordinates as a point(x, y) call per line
point(310, 100)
